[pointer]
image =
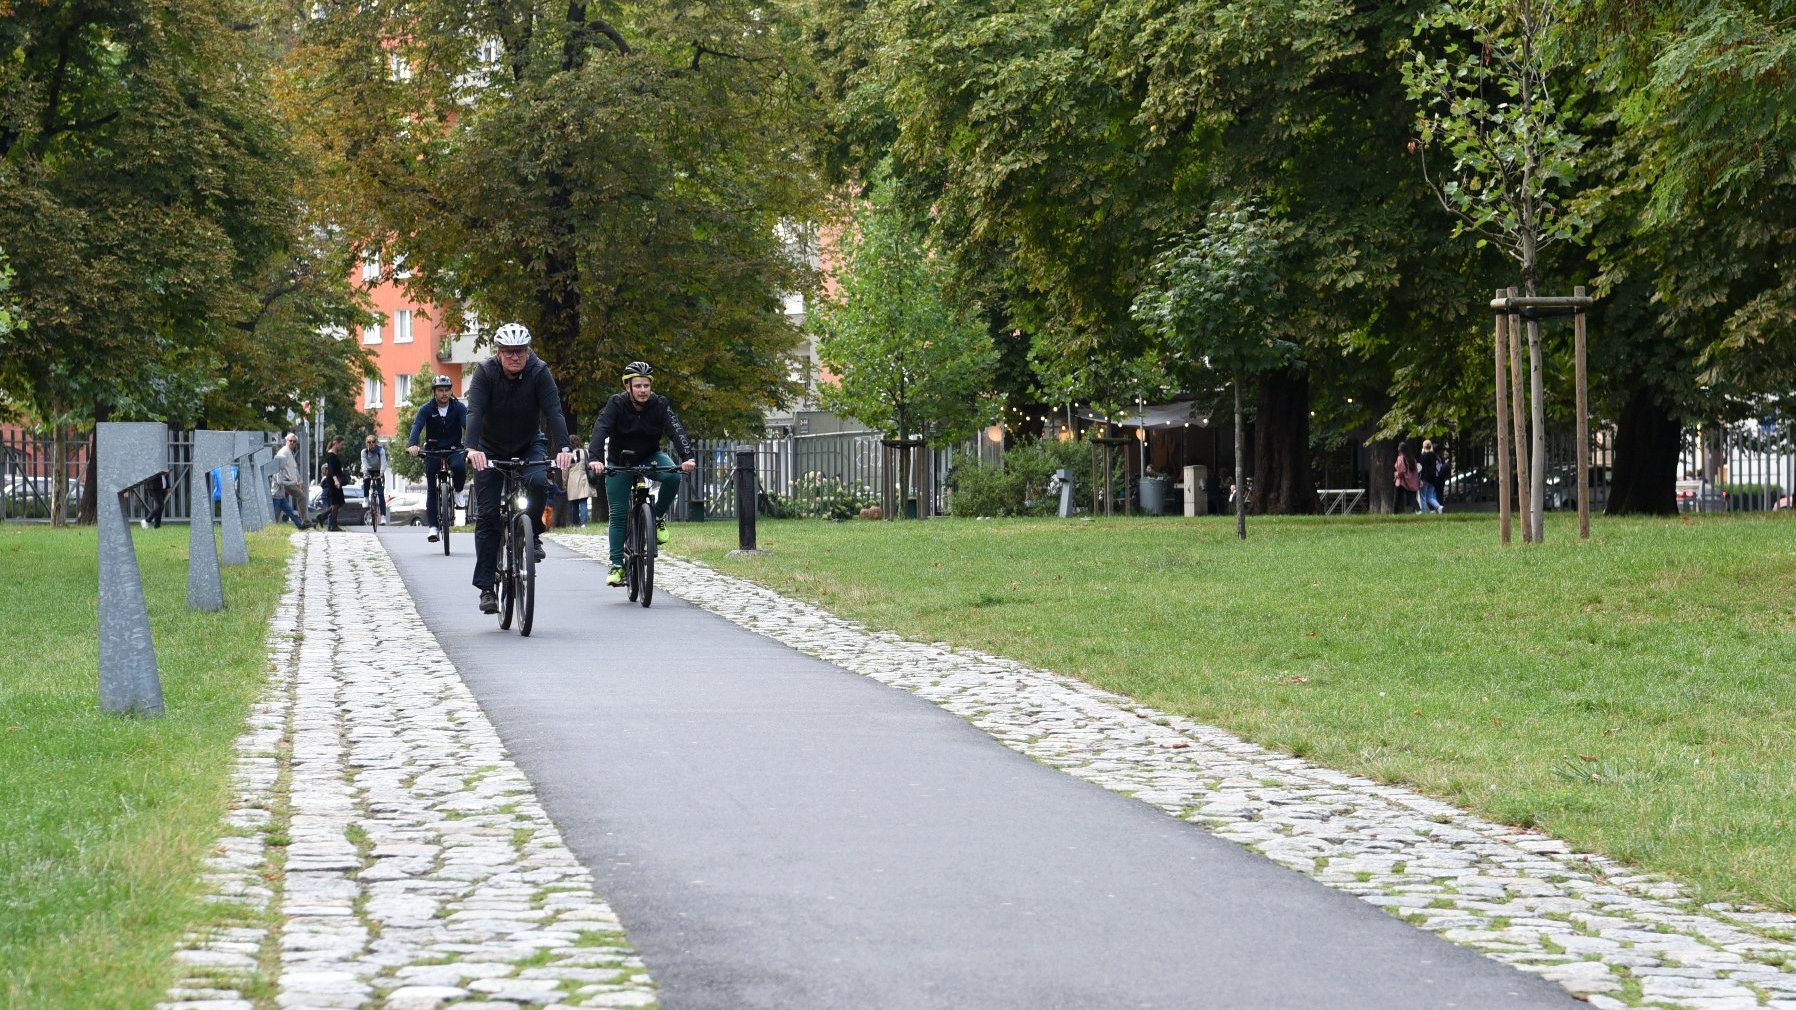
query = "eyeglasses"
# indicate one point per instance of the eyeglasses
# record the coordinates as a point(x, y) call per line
point(514, 351)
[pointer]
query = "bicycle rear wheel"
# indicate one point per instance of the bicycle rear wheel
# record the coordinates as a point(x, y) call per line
point(645, 526)
point(526, 572)
point(632, 558)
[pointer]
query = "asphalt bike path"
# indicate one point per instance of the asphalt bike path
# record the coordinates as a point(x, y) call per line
point(774, 831)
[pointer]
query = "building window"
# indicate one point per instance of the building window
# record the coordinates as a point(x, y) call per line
point(400, 270)
point(371, 334)
point(371, 393)
point(370, 267)
point(400, 67)
point(488, 53)
point(402, 388)
point(402, 326)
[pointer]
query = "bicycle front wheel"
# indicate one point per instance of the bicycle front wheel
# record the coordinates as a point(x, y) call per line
point(632, 556)
point(445, 510)
point(508, 579)
point(645, 526)
point(526, 572)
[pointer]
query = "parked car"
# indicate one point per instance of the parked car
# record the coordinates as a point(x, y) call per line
point(353, 512)
point(1700, 496)
point(1562, 487)
point(406, 508)
point(1478, 485)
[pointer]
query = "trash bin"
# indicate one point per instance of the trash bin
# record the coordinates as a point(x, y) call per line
point(1153, 495)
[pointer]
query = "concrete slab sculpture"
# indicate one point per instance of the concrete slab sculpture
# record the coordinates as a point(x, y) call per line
point(205, 587)
point(233, 549)
point(129, 454)
point(252, 491)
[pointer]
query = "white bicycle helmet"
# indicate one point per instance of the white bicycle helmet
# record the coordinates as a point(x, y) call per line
point(512, 335)
point(443, 382)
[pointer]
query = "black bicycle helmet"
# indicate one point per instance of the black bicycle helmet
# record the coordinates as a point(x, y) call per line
point(636, 369)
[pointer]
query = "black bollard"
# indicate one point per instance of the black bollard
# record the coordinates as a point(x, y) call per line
point(745, 500)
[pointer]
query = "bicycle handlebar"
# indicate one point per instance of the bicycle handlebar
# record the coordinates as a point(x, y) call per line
point(641, 470)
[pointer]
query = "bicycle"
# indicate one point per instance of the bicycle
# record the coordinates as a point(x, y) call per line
point(640, 547)
point(445, 492)
point(374, 500)
point(516, 575)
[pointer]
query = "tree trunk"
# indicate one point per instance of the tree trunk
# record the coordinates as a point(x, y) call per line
point(59, 476)
point(1381, 458)
point(1240, 495)
point(1281, 453)
point(1647, 439)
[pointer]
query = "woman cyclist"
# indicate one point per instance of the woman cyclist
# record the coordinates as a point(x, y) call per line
point(629, 433)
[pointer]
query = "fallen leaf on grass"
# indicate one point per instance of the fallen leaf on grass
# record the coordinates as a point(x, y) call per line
point(1299, 680)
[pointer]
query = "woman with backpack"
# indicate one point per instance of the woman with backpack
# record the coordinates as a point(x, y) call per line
point(1433, 472)
point(1407, 479)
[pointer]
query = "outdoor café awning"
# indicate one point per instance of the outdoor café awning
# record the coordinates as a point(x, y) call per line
point(1155, 416)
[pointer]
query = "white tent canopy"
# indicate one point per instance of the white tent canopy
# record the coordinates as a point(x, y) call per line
point(1155, 416)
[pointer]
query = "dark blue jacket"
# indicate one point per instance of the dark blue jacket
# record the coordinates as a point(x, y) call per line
point(440, 431)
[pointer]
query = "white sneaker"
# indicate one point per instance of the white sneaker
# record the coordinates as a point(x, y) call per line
point(461, 500)
point(145, 523)
point(433, 535)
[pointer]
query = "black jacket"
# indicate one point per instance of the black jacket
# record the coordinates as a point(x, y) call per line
point(638, 433)
point(439, 431)
point(504, 415)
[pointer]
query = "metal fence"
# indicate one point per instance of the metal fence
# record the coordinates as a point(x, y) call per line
point(833, 475)
point(27, 465)
point(1749, 466)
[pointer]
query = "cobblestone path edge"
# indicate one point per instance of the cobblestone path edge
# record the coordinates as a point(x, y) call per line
point(381, 849)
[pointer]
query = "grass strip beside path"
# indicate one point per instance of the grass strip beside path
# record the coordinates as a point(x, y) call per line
point(107, 818)
point(1632, 695)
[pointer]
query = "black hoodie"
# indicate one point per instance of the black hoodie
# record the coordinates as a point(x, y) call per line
point(504, 414)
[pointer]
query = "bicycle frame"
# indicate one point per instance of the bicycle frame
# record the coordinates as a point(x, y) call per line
point(640, 548)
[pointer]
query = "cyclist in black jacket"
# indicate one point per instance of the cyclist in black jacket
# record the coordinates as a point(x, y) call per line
point(634, 422)
point(511, 394)
point(441, 422)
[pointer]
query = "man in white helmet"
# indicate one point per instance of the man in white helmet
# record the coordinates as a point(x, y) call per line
point(511, 396)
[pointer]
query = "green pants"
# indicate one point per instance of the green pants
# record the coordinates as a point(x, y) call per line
point(617, 495)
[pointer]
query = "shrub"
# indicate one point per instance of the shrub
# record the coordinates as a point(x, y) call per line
point(1020, 485)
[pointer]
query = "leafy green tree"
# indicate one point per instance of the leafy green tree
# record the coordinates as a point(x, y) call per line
point(622, 178)
point(910, 362)
point(146, 202)
point(1063, 147)
point(1487, 99)
point(1692, 209)
point(1217, 297)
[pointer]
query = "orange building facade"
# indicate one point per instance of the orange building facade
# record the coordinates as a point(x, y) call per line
point(408, 335)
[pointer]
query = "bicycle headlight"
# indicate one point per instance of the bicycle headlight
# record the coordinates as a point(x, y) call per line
point(523, 503)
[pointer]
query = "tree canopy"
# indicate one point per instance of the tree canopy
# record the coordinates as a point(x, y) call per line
point(147, 204)
point(630, 180)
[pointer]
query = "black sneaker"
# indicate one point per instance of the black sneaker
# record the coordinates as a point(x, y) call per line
point(541, 555)
point(489, 601)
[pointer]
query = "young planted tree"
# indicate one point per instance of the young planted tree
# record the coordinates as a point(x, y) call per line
point(1217, 296)
point(910, 360)
point(1482, 73)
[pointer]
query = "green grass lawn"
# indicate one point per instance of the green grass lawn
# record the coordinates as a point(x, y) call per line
point(106, 818)
point(1633, 694)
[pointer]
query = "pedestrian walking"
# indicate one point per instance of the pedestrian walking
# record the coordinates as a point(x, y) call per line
point(1432, 474)
point(285, 486)
point(1407, 478)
